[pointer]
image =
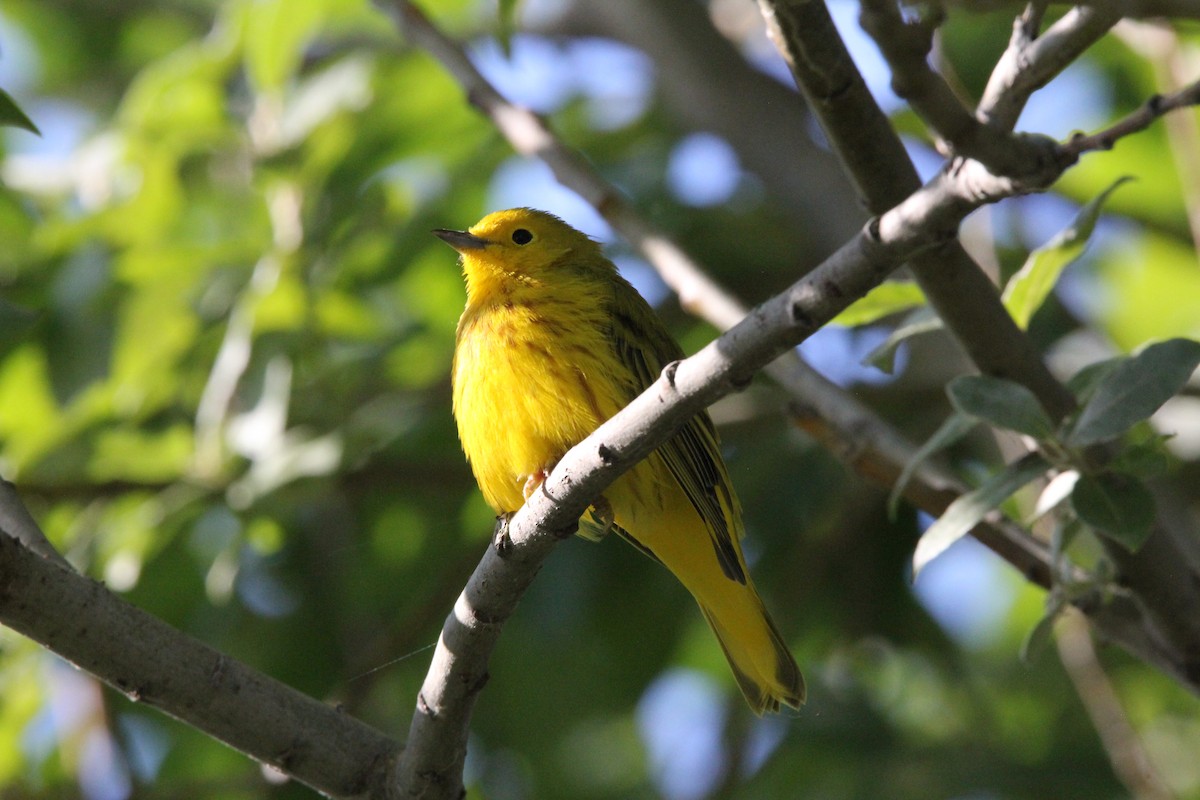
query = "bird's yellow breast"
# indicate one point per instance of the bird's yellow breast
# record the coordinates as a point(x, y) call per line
point(530, 381)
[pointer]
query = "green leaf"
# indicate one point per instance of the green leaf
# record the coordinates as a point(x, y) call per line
point(507, 10)
point(12, 115)
point(882, 301)
point(1057, 490)
point(954, 428)
point(1040, 635)
point(923, 320)
point(1134, 390)
point(1149, 458)
point(15, 322)
point(967, 511)
point(1032, 284)
point(1083, 383)
point(1066, 530)
point(1117, 505)
point(276, 37)
point(1004, 404)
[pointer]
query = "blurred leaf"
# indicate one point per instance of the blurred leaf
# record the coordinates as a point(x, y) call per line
point(1134, 390)
point(1005, 404)
point(141, 456)
point(954, 428)
point(1152, 280)
point(507, 11)
point(1029, 288)
point(15, 321)
point(882, 301)
point(1083, 383)
point(1041, 634)
point(969, 510)
point(1057, 489)
point(1117, 505)
point(923, 320)
point(1148, 458)
point(276, 32)
point(1155, 198)
point(32, 421)
point(12, 115)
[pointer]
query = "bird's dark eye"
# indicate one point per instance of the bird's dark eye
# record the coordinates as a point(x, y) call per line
point(522, 236)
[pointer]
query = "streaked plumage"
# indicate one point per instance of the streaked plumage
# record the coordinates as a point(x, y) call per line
point(552, 342)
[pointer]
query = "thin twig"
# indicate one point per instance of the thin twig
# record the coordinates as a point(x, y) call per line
point(16, 521)
point(1121, 743)
point(1030, 62)
point(1137, 121)
point(1159, 44)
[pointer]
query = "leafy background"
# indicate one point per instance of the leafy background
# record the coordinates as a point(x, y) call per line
point(225, 336)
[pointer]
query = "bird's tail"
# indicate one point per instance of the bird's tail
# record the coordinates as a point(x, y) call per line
point(761, 662)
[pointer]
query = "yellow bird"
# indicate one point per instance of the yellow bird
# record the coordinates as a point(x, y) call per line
point(553, 342)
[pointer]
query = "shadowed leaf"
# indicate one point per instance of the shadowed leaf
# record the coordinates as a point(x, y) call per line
point(1117, 505)
point(1004, 404)
point(12, 115)
point(1134, 390)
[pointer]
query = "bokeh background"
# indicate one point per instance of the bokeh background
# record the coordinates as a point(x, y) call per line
point(225, 337)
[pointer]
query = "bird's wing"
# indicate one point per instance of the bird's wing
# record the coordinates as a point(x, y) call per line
point(693, 454)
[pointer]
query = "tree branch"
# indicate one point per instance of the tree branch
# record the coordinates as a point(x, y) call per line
point(906, 46)
point(704, 82)
point(150, 662)
point(860, 133)
point(1125, 752)
point(1139, 120)
point(1031, 60)
point(16, 521)
point(878, 453)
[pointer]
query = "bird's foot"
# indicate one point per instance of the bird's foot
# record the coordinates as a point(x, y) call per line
point(500, 538)
point(535, 480)
point(602, 514)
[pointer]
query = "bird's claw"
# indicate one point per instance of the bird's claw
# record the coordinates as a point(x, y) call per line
point(533, 482)
point(602, 513)
point(500, 538)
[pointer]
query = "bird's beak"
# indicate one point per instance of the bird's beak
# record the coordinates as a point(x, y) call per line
point(461, 240)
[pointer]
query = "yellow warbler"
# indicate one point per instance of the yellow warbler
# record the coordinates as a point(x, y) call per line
point(553, 341)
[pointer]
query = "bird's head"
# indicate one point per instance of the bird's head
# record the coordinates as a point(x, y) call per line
point(520, 245)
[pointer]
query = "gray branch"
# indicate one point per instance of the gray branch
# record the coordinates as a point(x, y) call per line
point(1032, 60)
point(150, 662)
point(873, 155)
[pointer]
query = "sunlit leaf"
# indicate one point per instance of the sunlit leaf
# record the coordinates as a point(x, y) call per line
point(1032, 284)
point(882, 301)
point(1057, 490)
point(275, 34)
point(1153, 281)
